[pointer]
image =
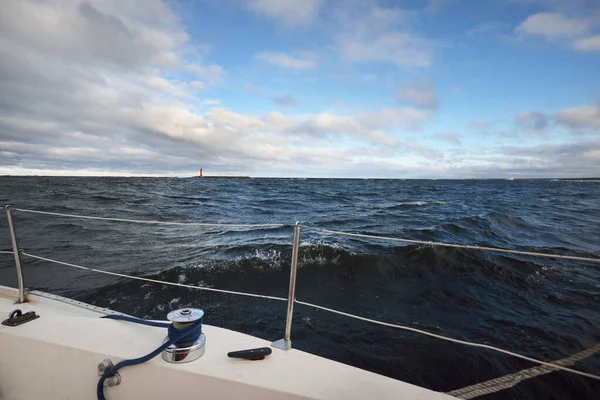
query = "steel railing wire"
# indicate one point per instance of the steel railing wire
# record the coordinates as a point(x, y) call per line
point(449, 339)
point(141, 278)
point(141, 221)
point(323, 230)
point(387, 324)
point(549, 366)
point(460, 246)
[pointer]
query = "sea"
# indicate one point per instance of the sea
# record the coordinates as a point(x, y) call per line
point(540, 307)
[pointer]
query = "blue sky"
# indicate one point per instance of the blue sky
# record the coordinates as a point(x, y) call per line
point(326, 88)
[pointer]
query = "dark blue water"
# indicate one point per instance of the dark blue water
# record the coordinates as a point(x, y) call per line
point(543, 308)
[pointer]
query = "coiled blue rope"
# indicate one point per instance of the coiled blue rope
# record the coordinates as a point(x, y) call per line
point(187, 335)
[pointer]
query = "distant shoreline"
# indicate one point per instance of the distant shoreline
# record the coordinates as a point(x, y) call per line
point(597, 179)
point(223, 177)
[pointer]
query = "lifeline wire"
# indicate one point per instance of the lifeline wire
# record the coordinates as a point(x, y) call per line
point(139, 221)
point(467, 343)
point(422, 242)
point(406, 328)
point(139, 278)
point(460, 246)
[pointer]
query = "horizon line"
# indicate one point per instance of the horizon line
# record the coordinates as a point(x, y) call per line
point(293, 177)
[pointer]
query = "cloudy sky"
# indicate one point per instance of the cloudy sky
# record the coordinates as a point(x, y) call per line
point(323, 88)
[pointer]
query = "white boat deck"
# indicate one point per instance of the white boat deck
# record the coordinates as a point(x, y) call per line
point(56, 357)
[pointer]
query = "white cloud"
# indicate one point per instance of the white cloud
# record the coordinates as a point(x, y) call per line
point(418, 94)
point(583, 117)
point(592, 155)
point(289, 12)
point(403, 118)
point(84, 86)
point(451, 137)
point(91, 32)
point(252, 88)
point(555, 160)
point(211, 73)
point(397, 48)
point(210, 102)
point(572, 5)
point(481, 125)
point(196, 85)
point(370, 126)
point(284, 60)
point(578, 120)
point(97, 172)
point(374, 19)
point(554, 26)
point(285, 100)
point(101, 115)
point(588, 44)
point(382, 35)
point(114, 88)
point(437, 5)
point(533, 122)
point(574, 31)
point(131, 36)
point(488, 28)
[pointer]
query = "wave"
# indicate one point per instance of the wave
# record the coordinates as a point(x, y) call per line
point(105, 198)
point(416, 261)
point(181, 197)
point(466, 293)
point(412, 204)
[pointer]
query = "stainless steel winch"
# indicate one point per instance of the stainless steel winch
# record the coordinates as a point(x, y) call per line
point(186, 351)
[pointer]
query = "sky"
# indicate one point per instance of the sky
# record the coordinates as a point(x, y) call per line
point(311, 88)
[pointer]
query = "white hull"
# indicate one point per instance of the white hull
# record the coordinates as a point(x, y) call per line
point(56, 357)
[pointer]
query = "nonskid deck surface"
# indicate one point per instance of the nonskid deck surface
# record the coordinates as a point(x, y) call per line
point(56, 357)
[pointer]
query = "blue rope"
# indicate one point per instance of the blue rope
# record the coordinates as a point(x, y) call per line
point(187, 335)
point(137, 320)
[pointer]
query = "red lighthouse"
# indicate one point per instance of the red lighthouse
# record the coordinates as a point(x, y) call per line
point(200, 172)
